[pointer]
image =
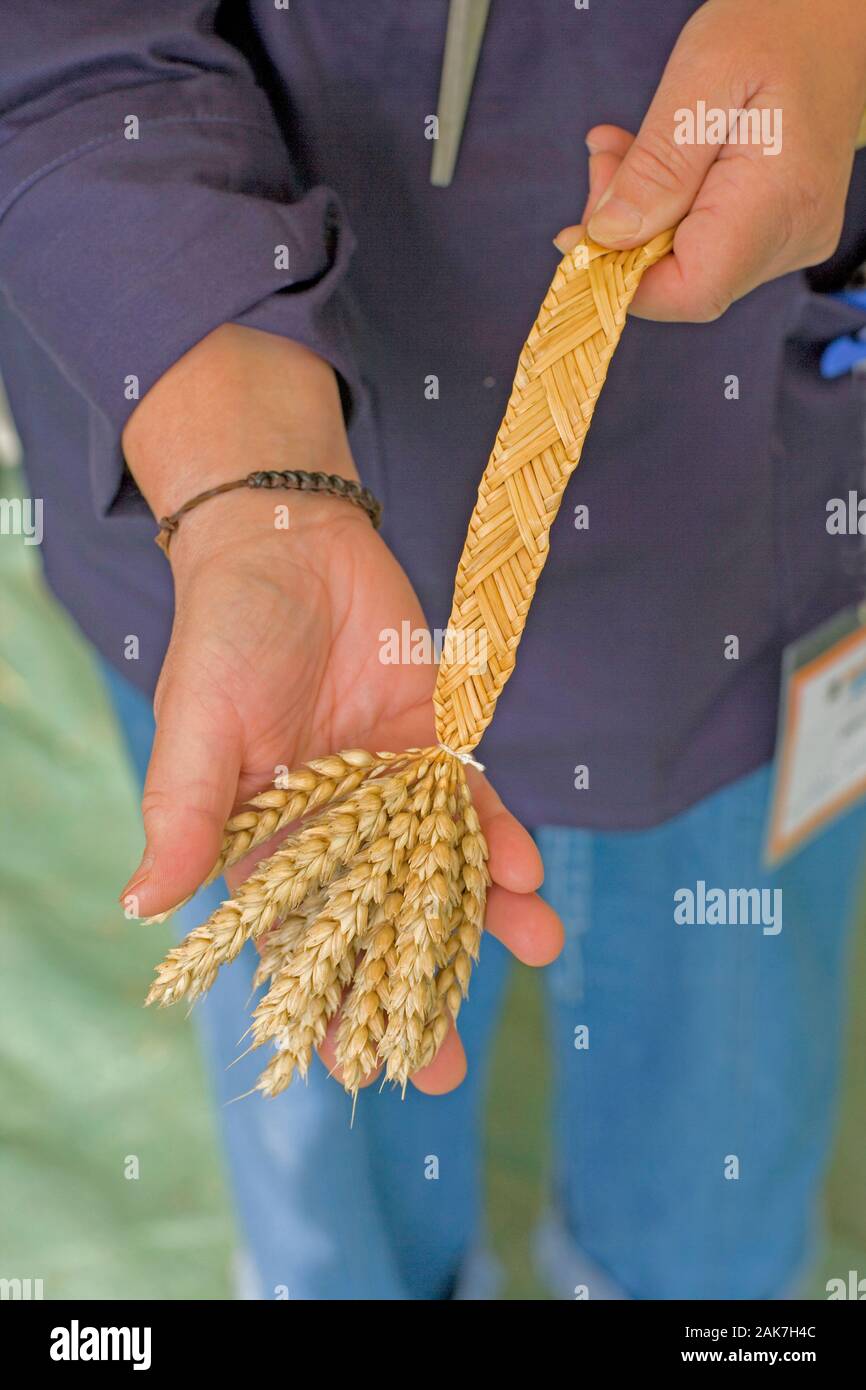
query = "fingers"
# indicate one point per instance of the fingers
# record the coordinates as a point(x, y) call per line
point(526, 925)
point(609, 140)
point(742, 219)
point(188, 795)
point(730, 242)
point(567, 239)
point(659, 174)
point(602, 168)
point(514, 862)
point(444, 1073)
point(607, 146)
point(328, 1055)
point(447, 1069)
point(530, 929)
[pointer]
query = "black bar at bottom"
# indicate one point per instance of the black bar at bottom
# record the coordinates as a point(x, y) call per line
point(81, 1338)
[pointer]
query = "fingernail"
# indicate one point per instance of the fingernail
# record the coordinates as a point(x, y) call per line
point(614, 220)
point(567, 238)
point(138, 877)
point(593, 148)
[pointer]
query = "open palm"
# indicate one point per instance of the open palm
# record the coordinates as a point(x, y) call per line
point(275, 658)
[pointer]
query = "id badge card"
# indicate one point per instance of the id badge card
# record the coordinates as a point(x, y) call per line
point(820, 762)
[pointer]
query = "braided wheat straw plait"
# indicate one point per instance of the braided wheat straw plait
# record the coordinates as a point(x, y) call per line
point(374, 906)
point(560, 373)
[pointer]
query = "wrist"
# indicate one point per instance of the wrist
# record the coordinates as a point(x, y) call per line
point(272, 522)
point(239, 401)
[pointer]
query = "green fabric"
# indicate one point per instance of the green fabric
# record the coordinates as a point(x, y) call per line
point(88, 1078)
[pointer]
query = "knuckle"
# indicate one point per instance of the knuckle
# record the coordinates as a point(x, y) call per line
point(814, 221)
point(193, 796)
point(825, 240)
point(155, 802)
point(657, 165)
point(708, 301)
point(822, 250)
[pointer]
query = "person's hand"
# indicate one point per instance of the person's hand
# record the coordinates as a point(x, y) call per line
point(742, 216)
point(275, 651)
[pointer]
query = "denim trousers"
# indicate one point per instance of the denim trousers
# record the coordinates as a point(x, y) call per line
point(695, 1077)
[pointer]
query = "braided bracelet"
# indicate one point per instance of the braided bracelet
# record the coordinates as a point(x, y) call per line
point(291, 480)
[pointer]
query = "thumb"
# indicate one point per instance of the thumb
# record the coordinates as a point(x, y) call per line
point(189, 791)
point(662, 171)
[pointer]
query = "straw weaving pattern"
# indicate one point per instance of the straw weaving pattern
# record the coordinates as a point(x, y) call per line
point(560, 373)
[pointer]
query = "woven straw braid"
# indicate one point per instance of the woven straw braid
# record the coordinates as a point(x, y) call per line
point(560, 373)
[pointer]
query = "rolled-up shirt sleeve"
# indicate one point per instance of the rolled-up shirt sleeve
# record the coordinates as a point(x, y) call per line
point(146, 197)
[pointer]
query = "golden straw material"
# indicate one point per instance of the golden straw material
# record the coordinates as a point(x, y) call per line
point(373, 906)
point(559, 375)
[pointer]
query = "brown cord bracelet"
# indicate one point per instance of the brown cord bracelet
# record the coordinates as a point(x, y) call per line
point(289, 480)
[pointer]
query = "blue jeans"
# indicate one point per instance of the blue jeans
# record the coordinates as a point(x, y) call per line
point(690, 1134)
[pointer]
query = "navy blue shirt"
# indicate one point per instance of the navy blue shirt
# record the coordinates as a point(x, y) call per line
point(260, 127)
